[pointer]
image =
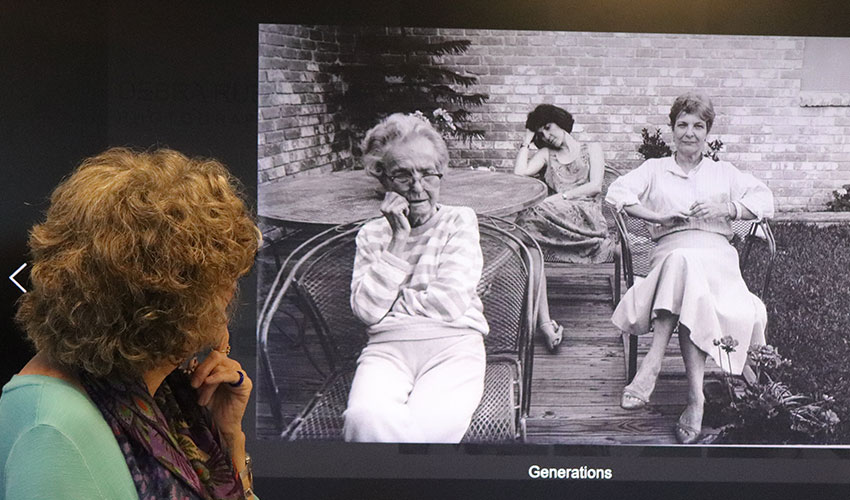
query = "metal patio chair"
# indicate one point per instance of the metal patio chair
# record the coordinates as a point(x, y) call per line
point(636, 248)
point(611, 174)
point(322, 277)
point(266, 322)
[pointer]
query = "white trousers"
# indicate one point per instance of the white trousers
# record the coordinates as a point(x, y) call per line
point(416, 391)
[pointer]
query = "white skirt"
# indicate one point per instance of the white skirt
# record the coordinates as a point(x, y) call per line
point(696, 275)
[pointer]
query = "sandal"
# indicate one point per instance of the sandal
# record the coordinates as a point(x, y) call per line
point(631, 400)
point(553, 343)
point(685, 433)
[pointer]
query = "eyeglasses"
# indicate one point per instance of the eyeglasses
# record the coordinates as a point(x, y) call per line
point(405, 180)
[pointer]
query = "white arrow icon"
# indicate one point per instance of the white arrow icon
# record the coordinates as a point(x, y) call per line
point(12, 277)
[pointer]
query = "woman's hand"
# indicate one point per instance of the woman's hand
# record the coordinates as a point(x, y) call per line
point(212, 379)
point(523, 165)
point(672, 218)
point(395, 209)
point(709, 210)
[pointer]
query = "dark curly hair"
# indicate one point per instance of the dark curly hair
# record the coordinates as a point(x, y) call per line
point(135, 260)
point(548, 113)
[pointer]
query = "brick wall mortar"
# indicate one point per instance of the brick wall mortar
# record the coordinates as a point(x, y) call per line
point(615, 84)
point(297, 129)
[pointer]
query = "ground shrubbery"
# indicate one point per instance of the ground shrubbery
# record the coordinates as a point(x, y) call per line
point(840, 200)
point(808, 304)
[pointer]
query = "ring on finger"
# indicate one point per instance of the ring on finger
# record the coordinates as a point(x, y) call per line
point(225, 350)
point(238, 382)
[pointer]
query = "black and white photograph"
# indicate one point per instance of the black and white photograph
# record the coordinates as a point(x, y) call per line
point(552, 237)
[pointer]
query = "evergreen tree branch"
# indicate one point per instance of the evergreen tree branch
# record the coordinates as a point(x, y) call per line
point(410, 45)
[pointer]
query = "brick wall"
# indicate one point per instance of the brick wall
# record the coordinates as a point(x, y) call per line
point(296, 130)
point(614, 84)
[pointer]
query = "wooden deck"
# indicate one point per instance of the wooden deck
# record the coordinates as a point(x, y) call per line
point(575, 393)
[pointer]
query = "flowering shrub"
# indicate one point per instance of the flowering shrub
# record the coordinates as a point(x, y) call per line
point(726, 344)
point(441, 120)
point(764, 409)
point(713, 148)
point(841, 200)
point(654, 146)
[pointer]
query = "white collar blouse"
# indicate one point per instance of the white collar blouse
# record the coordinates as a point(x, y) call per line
point(662, 186)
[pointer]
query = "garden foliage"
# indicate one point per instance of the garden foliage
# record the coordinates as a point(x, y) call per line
point(400, 72)
point(840, 200)
point(654, 146)
point(765, 409)
point(808, 304)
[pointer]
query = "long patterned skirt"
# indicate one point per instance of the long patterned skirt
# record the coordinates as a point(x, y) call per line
point(569, 230)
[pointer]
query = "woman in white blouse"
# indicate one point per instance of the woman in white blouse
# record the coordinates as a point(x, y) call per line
point(695, 280)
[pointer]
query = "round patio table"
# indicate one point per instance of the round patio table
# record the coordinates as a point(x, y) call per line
point(352, 195)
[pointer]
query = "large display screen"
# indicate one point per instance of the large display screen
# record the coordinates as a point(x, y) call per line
point(285, 94)
point(780, 115)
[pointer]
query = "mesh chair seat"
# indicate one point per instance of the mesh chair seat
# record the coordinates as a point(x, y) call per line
point(282, 286)
point(611, 174)
point(495, 418)
point(322, 418)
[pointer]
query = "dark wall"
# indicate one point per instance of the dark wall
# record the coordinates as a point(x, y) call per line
point(52, 114)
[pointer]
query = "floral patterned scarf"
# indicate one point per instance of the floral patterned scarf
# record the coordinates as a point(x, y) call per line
point(171, 447)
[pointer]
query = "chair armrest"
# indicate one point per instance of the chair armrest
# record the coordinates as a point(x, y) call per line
point(625, 247)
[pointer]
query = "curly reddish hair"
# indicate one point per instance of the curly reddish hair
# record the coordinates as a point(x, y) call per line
point(135, 261)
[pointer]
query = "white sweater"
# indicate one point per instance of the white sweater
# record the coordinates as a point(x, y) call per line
point(427, 292)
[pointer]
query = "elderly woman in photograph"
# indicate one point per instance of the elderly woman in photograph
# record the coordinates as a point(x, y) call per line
point(568, 225)
point(421, 375)
point(695, 280)
point(132, 272)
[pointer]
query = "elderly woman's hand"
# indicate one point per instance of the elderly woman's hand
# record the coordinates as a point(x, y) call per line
point(709, 210)
point(395, 209)
point(213, 378)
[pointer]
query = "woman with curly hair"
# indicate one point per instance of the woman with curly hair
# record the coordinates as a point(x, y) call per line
point(132, 272)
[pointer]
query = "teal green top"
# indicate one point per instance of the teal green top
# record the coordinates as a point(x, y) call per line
point(54, 443)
